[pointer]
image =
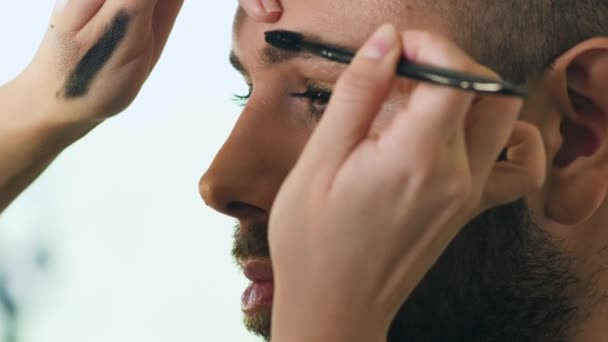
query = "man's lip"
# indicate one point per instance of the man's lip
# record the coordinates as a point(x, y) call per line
point(257, 297)
point(258, 270)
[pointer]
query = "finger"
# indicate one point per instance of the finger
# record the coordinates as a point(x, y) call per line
point(71, 16)
point(523, 172)
point(165, 14)
point(88, 17)
point(262, 10)
point(357, 99)
point(488, 127)
point(436, 112)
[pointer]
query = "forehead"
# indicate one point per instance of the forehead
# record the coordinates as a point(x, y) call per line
point(344, 22)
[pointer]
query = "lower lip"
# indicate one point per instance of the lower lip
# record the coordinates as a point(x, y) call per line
point(258, 297)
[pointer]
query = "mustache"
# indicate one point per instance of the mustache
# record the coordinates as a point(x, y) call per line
point(250, 241)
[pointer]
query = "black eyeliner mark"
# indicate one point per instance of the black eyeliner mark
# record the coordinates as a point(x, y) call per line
point(503, 155)
point(79, 81)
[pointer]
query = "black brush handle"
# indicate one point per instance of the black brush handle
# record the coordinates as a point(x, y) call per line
point(459, 80)
point(435, 75)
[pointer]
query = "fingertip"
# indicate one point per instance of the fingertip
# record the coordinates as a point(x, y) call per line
point(524, 171)
point(529, 151)
point(260, 11)
point(272, 6)
point(380, 43)
point(372, 68)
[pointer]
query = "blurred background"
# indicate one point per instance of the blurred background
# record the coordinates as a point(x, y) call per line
point(113, 242)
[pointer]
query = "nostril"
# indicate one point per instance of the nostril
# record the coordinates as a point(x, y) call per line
point(242, 210)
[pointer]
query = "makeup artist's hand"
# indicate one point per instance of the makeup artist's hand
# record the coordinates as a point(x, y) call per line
point(362, 217)
point(91, 64)
point(262, 10)
point(97, 54)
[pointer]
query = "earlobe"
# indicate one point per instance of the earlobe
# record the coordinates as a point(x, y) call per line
point(578, 175)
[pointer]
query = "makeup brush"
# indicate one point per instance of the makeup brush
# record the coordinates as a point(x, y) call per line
point(295, 42)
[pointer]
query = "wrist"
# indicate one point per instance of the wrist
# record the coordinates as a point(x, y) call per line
point(31, 109)
point(30, 137)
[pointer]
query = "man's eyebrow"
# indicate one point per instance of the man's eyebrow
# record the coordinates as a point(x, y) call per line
point(270, 56)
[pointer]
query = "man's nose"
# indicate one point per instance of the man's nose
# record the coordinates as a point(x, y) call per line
point(249, 169)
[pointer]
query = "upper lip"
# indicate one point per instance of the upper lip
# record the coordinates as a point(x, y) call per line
point(257, 270)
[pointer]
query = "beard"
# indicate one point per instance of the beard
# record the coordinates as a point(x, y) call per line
point(249, 242)
point(502, 278)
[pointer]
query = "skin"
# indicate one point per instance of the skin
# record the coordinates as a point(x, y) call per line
point(91, 64)
point(445, 185)
point(75, 91)
point(570, 205)
point(561, 173)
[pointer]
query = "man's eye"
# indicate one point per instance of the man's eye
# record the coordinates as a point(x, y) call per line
point(317, 100)
point(241, 100)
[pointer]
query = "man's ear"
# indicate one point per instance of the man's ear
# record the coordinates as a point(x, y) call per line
point(578, 174)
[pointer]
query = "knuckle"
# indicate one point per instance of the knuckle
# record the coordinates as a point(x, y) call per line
point(451, 193)
point(459, 189)
point(428, 163)
point(457, 185)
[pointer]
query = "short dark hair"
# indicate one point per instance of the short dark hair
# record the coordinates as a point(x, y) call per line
point(520, 38)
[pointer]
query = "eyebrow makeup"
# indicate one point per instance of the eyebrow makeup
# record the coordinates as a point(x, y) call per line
point(295, 42)
point(91, 63)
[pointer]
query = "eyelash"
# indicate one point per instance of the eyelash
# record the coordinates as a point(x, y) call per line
point(241, 100)
point(312, 94)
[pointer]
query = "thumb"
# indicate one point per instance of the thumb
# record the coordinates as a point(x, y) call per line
point(356, 100)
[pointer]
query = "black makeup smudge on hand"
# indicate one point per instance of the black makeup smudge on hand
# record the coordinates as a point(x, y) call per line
point(79, 81)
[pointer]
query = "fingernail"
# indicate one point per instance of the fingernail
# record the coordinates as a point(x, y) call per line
point(60, 6)
point(381, 42)
point(271, 6)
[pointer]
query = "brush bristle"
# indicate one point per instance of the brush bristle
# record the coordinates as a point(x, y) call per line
point(285, 40)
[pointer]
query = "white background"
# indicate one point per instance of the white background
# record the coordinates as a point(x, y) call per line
point(135, 254)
